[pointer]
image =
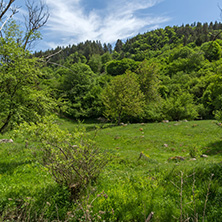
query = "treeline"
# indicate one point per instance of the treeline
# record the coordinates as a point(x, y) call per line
point(178, 70)
point(155, 40)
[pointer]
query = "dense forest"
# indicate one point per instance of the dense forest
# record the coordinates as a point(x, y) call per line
point(178, 70)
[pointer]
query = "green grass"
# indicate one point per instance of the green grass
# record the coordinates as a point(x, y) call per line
point(135, 184)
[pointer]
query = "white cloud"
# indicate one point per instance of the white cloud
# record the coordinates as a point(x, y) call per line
point(70, 23)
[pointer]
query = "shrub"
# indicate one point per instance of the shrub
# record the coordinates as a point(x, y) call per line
point(72, 158)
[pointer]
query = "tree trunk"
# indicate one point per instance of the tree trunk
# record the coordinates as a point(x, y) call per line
point(6, 123)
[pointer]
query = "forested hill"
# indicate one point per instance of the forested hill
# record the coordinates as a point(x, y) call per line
point(173, 73)
point(139, 47)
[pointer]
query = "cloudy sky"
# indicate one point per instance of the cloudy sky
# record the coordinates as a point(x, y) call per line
point(75, 21)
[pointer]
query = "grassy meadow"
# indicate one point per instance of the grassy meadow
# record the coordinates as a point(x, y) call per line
point(153, 167)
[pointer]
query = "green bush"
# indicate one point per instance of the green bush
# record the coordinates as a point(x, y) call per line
point(72, 158)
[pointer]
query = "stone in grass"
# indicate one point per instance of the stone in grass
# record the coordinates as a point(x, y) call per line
point(203, 155)
point(6, 141)
point(176, 158)
point(193, 159)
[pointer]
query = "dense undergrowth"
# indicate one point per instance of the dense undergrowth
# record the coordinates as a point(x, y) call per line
point(152, 169)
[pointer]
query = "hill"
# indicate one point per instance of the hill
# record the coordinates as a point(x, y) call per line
point(178, 70)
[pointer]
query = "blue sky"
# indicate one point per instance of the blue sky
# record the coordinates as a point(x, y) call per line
point(75, 21)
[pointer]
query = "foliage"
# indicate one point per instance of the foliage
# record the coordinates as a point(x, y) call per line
point(179, 107)
point(212, 50)
point(79, 89)
point(119, 67)
point(122, 97)
point(72, 158)
point(21, 96)
point(148, 80)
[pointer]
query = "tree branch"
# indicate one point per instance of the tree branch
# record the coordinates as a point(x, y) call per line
point(37, 17)
point(4, 10)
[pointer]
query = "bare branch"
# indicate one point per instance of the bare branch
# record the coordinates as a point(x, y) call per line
point(4, 9)
point(37, 17)
point(13, 13)
point(149, 217)
point(49, 56)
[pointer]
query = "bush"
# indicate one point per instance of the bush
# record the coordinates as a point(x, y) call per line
point(72, 158)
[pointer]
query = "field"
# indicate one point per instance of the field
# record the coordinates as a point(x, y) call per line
point(155, 167)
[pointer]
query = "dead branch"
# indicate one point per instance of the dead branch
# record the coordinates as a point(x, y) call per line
point(49, 56)
point(13, 13)
point(149, 217)
point(6, 8)
point(37, 17)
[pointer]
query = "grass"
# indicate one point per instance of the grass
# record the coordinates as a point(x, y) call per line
point(141, 177)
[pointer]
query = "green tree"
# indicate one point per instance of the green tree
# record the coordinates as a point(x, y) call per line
point(79, 90)
point(123, 98)
point(212, 50)
point(148, 80)
point(119, 67)
point(95, 63)
point(21, 97)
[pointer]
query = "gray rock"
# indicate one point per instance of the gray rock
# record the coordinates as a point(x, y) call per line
point(6, 141)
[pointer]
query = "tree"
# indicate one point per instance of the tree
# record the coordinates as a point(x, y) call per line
point(78, 89)
point(37, 16)
point(95, 63)
point(122, 97)
point(148, 80)
point(212, 50)
point(119, 67)
point(118, 46)
point(21, 97)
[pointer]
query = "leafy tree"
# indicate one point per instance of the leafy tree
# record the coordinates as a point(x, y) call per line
point(123, 98)
point(212, 97)
point(95, 63)
point(118, 46)
point(119, 67)
point(212, 50)
point(180, 106)
point(77, 90)
point(21, 95)
point(148, 80)
point(20, 91)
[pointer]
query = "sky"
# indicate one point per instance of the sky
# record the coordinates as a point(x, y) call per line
point(75, 21)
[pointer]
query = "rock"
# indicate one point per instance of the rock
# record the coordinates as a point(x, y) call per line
point(141, 129)
point(176, 158)
point(6, 141)
point(166, 145)
point(204, 156)
point(193, 159)
point(102, 120)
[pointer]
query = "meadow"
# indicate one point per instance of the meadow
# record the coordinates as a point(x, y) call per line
point(173, 169)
